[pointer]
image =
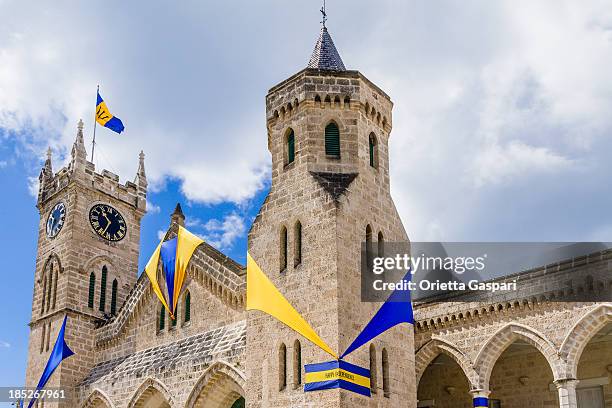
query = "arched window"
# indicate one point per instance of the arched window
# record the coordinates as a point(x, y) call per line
point(282, 367)
point(174, 321)
point(162, 319)
point(290, 146)
point(239, 403)
point(283, 249)
point(332, 140)
point(44, 294)
point(187, 314)
point(381, 244)
point(42, 337)
point(49, 287)
point(372, 368)
point(369, 249)
point(54, 290)
point(385, 373)
point(103, 288)
point(373, 151)
point(297, 364)
point(297, 250)
point(92, 290)
point(328, 101)
point(114, 296)
point(317, 101)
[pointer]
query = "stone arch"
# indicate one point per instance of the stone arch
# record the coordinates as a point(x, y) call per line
point(53, 257)
point(436, 346)
point(581, 333)
point(98, 259)
point(218, 387)
point(503, 338)
point(97, 399)
point(151, 389)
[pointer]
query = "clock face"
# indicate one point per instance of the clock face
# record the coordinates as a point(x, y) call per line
point(107, 222)
point(56, 219)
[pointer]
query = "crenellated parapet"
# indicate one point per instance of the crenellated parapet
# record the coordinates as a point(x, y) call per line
point(81, 170)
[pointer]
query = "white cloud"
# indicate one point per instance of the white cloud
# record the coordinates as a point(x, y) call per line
point(152, 208)
point(4, 344)
point(161, 234)
point(223, 233)
point(501, 99)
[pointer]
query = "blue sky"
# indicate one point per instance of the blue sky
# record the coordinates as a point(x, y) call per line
point(502, 125)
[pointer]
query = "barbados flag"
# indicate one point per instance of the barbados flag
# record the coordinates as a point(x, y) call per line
point(105, 118)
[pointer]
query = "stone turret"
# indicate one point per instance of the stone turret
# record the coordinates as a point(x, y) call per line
point(177, 216)
point(141, 181)
point(78, 153)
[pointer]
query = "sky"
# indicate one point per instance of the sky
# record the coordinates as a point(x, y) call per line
point(501, 125)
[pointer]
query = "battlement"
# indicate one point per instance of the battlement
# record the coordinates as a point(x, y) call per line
point(80, 170)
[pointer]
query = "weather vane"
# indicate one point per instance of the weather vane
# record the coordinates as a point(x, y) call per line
point(324, 14)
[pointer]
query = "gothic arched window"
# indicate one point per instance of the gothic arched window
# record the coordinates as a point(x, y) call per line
point(297, 364)
point(372, 368)
point(332, 140)
point(373, 151)
point(162, 319)
point(54, 290)
point(92, 290)
point(282, 367)
point(297, 250)
point(187, 313)
point(283, 249)
point(114, 296)
point(103, 288)
point(290, 146)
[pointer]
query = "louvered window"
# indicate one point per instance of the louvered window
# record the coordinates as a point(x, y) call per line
point(373, 158)
point(187, 307)
point(103, 288)
point(332, 140)
point(92, 290)
point(114, 297)
point(290, 147)
point(162, 318)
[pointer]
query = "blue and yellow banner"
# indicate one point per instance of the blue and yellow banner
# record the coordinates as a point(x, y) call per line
point(107, 119)
point(337, 374)
point(264, 296)
point(60, 352)
point(175, 255)
point(396, 309)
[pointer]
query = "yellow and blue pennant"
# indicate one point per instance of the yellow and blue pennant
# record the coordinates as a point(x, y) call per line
point(174, 255)
point(337, 374)
point(107, 119)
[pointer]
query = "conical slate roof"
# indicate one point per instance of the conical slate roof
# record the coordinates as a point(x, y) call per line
point(325, 55)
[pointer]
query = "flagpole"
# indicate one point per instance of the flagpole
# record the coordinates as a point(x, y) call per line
point(93, 142)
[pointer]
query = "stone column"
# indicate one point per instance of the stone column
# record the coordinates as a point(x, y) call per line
point(480, 398)
point(567, 393)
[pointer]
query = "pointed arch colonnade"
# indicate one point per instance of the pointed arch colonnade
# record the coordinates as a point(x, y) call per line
point(562, 360)
point(220, 386)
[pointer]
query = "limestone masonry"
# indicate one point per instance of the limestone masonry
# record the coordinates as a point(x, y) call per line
point(328, 135)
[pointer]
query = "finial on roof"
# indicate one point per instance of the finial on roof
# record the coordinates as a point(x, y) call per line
point(141, 176)
point(178, 216)
point(80, 125)
point(323, 11)
point(49, 153)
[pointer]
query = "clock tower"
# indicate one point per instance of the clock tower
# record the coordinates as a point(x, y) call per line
point(87, 260)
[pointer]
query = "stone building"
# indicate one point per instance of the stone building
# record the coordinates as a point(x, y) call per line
point(328, 132)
